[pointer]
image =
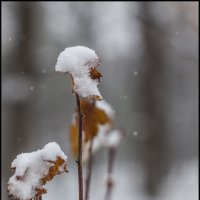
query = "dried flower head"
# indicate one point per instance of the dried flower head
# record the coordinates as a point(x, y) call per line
point(81, 63)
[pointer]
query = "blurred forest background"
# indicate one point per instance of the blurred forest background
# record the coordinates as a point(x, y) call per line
point(149, 54)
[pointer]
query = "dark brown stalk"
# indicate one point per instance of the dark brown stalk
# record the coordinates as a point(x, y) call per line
point(89, 171)
point(79, 159)
point(109, 181)
point(89, 166)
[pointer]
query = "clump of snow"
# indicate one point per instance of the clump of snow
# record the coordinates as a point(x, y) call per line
point(30, 168)
point(114, 138)
point(105, 138)
point(107, 108)
point(78, 61)
point(98, 141)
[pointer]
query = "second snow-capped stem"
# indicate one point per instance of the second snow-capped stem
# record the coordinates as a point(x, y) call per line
point(109, 181)
point(79, 159)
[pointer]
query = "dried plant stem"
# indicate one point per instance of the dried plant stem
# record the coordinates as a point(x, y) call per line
point(89, 166)
point(79, 159)
point(109, 181)
point(89, 171)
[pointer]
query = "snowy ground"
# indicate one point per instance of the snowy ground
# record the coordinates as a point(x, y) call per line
point(181, 184)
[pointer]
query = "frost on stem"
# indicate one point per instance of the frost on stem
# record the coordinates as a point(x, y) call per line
point(33, 170)
point(97, 122)
point(81, 63)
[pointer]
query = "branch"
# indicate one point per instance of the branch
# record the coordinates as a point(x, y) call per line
point(79, 159)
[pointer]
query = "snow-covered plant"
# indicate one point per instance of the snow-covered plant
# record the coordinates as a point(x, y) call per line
point(33, 170)
point(97, 130)
point(92, 120)
point(97, 122)
point(91, 129)
point(112, 142)
point(81, 63)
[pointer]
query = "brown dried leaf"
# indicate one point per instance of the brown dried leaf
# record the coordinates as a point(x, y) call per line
point(93, 117)
point(95, 74)
point(74, 139)
point(54, 169)
point(39, 192)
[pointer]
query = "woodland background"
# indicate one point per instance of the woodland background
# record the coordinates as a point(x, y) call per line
point(149, 54)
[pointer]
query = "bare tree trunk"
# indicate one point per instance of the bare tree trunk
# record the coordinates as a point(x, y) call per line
point(17, 114)
point(156, 156)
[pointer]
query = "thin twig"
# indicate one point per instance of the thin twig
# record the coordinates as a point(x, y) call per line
point(79, 159)
point(109, 181)
point(89, 166)
point(89, 171)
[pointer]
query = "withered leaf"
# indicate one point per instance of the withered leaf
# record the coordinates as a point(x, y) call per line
point(93, 117)
point(39, 192)
point(95, 74)
point(53, 170)
point(74, 139)
point(57, 166)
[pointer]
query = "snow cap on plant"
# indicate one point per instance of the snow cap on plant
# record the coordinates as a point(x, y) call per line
point(81, 63)
point(33, 170)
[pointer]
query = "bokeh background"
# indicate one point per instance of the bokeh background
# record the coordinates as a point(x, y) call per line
point(149, 54)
